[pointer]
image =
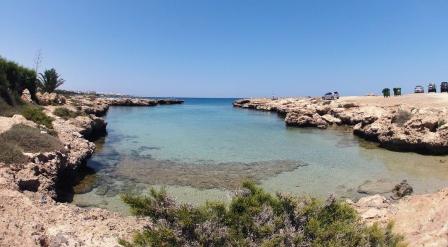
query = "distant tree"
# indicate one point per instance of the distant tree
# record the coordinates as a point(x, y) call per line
point(50, 80)
point(37, 60)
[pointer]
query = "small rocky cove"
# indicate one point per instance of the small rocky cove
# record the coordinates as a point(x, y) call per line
point(39, 186)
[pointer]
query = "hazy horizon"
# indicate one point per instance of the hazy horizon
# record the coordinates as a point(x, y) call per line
point(231, 49)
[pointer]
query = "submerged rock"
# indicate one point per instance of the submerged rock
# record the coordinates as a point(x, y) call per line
point(203, 176)
point(379, 186)
point(102, 190)
point(87, 184)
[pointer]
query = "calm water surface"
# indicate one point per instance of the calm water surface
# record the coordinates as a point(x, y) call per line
point(202, 149)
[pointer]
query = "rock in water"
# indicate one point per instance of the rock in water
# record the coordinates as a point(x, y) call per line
point(379, 186)
point(402, 189)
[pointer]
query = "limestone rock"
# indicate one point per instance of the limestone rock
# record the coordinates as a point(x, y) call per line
point(395, 127)
point(26, 96)
point(305, 118)
point(421, 219)
point(330, 119)
point(402, 189)
point(50, 98)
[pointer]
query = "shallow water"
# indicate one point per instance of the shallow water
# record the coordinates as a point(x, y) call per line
point(203, 149)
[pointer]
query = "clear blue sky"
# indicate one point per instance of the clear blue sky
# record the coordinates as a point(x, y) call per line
point(231, 48)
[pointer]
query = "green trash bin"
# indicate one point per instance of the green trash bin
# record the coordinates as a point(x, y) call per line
point(397, 91)
point(386, 92)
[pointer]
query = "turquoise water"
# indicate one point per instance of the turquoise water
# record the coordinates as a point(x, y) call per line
point(201, 150)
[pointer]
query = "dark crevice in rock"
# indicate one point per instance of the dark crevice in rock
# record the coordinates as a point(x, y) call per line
point(29, 185)
point(64, 186)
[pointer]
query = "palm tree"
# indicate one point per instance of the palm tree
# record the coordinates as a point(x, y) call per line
point(50, 80)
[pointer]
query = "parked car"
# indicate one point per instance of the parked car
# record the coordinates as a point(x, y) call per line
point(432, 88)
point(419, 89)
point(444, 87)
point(328, 96)
point(397, 91)
point(336, 95)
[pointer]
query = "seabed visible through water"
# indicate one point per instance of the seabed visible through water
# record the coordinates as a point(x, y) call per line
point(203, 150)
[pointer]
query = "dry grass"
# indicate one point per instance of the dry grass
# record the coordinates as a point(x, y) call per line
point(66, 113)
point(401, 117)
point(11, 154)
point(7, 110)
point(29, 140)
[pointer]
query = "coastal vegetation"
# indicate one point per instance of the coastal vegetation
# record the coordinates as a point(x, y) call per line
point(7, 110)
point(254, 218)
point(66, 113)
point(401, 117)
point(21, 138)
point(14, 79)
point(50, 80)
point(11, 154)
point(36, 114)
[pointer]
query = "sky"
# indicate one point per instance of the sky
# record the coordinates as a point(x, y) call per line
point(231, 48)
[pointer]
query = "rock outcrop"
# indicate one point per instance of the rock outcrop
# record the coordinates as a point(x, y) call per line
point(99, 106)
point(50, 98)
point(29, 219)
point(421, 129)
point(421, 219)
point(141, 102)
point(26, 96)
point(131, 102)
point(402, 189)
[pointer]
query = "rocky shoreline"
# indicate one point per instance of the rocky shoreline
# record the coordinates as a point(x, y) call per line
point(29, 193)
point(400, 127)
point(415, 123)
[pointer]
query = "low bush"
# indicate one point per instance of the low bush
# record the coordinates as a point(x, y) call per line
point(401, 117)
point(65, 113)
point(7, 110)
point(36, 114)
point(29, 139)
point(254, 218)
point(11, 154)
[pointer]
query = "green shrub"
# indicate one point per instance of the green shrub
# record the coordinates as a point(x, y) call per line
point(11, 154)
point(14, 79)
point(65, 113)
point(37, 115)
point(254, 218)
point(29, 139)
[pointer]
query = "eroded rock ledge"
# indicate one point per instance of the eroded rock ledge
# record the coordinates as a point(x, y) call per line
point(409, 126)
point(421, 219)
point(30, 213)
